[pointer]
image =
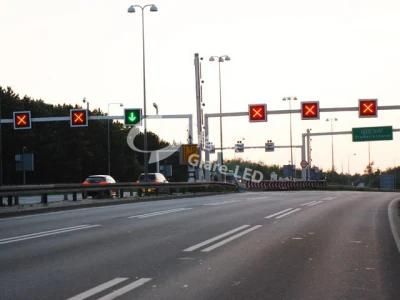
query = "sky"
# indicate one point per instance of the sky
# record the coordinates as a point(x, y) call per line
point(335, 52)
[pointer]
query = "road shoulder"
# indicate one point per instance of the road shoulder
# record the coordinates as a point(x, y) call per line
point(394, 220)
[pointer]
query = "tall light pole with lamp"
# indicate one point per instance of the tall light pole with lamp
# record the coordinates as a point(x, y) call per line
point(155, 105)
point(132, 9)
point(290, 99)
point(108, 136)
point(332, 148)
point(87, 103)
point(348, 162)
point(220, 59)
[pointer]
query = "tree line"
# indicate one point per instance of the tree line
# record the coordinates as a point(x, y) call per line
point(68, 155)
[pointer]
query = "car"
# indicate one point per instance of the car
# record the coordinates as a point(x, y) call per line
point(152, 178)
point(102, 180)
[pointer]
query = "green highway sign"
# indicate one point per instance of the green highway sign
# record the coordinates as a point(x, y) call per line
point(365, 134)
point(132, 116)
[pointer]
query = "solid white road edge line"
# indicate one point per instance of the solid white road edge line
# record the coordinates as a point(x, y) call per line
point(288, 213)
point(98, 289)
point(234, 237)
point(278, 213)
point(209, 241)
point(394, 221)
point(125, 289)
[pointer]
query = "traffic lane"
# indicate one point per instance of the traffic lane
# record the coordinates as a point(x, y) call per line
point(201, 218)
point(76, 254)
point(47, 221)
point(62, 217)
point(344, 250)
point(37, 222)
point(112, 250)
point(104, 215)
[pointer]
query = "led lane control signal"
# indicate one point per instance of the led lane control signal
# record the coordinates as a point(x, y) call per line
point(368, 108)
point(78, 118)
point(257, 112)
point(310, 110)
point(22, 120)
point(132, 116)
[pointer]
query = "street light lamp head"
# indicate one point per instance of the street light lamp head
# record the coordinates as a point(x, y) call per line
point(131, 9)
point(153, 8)
point(227, 58)
point(211, 58)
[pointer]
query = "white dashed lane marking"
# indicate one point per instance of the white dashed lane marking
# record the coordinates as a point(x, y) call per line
point(243, 230)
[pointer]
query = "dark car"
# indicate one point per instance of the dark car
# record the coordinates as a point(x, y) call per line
point(102, 180)
point(152, 178)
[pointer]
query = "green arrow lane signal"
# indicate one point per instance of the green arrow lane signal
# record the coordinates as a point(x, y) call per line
point(132, 116)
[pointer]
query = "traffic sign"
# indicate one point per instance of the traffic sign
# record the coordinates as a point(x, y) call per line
point(132, 116)
point(210, 147)
point(304, 164)
point(387, 182)
point(365, 134)
point(269, 146)
point(368, 108)
point(186, 151)
point(78, 118)
point(239, 147)
point(22, 120)
point(257, 112)
point(310, 110)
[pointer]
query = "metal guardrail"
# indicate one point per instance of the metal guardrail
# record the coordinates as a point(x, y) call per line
point(12, 193)
point(286, 185)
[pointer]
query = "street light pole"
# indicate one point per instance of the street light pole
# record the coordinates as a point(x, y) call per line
point(108, 137)
point(155, 105)
point(332, 148)
point(369, 154)
point(290, 99)
point(348, 162)
point(131, 9)
point(220, 60)
point(87, 103)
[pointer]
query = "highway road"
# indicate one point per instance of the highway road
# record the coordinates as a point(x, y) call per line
point(267, 245)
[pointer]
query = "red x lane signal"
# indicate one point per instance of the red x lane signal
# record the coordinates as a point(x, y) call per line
point(22, 120)
point(368, 108)
point(78, 118)
point(310, 110)
point(257, 112)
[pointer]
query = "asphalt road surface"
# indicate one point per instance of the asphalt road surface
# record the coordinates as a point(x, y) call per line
point(272, 245)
